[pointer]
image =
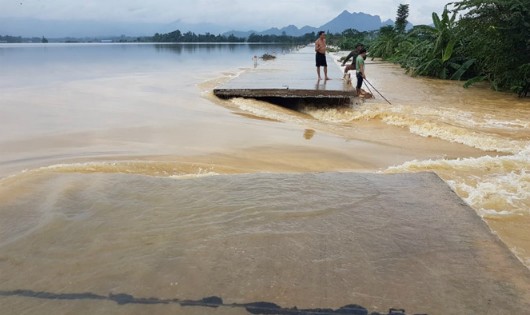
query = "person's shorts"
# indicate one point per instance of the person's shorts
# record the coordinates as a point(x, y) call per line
point(359, 80)
point(321, 60)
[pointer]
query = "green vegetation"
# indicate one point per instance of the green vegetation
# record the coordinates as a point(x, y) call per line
point(268, 57)
point(19, 39)
point(284, 39)
point(490, 41)
point(401, 20)
point(349, 38)
point(190, 37)
point(502, 45)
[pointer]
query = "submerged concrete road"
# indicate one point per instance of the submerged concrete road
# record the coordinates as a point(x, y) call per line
point(290, 76)
point(313, 243)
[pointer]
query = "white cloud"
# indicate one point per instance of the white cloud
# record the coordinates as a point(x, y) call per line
point(245, 14)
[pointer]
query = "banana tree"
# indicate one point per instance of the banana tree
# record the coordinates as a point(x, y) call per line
point(434, 54)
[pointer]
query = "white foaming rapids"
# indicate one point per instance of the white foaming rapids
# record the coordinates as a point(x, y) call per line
point(492, 185)
point(266, 110)
point(448, 124)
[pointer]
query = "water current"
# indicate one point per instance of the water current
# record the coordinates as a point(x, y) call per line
point(121, 172)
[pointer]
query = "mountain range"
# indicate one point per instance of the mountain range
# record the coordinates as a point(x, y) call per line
point(346, 20)
point(61, 29)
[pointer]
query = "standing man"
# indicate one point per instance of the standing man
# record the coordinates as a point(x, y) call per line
point(320, 49)
point(353, 54)
point(360, 70)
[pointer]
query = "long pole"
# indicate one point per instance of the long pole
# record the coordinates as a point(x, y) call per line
point(364, 81)
point(377, 91)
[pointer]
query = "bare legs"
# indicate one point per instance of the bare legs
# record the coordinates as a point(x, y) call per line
point(325, 73)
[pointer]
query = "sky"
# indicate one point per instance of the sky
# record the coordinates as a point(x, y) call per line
point(241, 14)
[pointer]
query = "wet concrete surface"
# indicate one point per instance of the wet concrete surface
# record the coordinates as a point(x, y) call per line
point(403, 241)
point(291, 76)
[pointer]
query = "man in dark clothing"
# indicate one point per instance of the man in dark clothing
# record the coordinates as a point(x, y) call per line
point(320, 49)
point(353, 54)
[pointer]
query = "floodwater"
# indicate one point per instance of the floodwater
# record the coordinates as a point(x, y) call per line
point(119, 170)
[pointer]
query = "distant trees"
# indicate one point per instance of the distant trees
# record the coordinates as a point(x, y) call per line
point(10, 39)
point(19, 39)
point(284, 39)
point(190, 37)
point(349, 38)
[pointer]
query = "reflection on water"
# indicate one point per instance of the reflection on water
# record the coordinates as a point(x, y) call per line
point(209, 48)
point(308, 134)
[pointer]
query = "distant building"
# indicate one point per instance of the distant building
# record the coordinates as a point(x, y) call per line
point(106, 40)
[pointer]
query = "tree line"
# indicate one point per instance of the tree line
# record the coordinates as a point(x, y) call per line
point(19, 39)
point(190, 37)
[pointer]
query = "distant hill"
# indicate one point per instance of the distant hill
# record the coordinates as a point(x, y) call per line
point(359, 21)
point(83, 28)
point(346, 20)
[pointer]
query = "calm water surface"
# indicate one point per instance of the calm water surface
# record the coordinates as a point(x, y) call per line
point(116, 160)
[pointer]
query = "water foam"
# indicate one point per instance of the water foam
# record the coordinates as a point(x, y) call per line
point(514, 125)
point(492, 185)
point(448, 124)
point(178, 170)
point(266, 110)
point(500, 194)
point(330, 115)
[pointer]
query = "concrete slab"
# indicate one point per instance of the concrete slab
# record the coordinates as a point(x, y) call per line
point(291, 76)
point(324, 243)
